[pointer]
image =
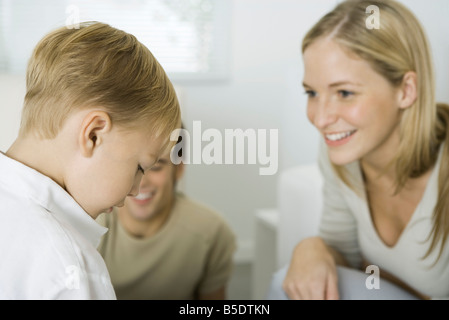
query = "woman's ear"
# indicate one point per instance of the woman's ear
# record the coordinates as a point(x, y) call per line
point(94, 127)
point(408, 90)
point(179, 170)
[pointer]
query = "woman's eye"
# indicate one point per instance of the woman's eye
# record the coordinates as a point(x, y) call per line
point(345, 93)
point(310, 93)
point(139, 168)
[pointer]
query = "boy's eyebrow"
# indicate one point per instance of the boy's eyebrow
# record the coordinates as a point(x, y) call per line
point(154, 159)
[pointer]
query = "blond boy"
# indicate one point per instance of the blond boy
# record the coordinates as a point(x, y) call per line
point(97, 114)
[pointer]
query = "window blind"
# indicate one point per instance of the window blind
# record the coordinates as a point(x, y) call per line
point(190, 38)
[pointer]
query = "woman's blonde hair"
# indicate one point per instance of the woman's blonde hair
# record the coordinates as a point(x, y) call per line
point(397, 47)
point(97, 65)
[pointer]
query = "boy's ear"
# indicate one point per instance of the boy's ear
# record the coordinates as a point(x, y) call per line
point(408, 90)
point(95, 124)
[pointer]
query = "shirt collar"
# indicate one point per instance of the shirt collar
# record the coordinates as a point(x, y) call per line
point(28, 182)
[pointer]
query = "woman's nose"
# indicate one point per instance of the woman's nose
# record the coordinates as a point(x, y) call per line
point(324, 115)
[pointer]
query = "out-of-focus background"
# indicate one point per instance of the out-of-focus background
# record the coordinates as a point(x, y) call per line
point(236, 64)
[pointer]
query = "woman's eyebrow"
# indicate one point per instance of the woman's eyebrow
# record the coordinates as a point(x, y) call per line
point(305, 85)
point(344, 82)
point(337, 83)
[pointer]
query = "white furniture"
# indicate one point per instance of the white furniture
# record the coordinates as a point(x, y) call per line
point(265, 251)
point(299, 205)
point(278, 230)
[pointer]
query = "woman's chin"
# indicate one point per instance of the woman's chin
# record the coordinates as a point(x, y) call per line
point(341, 158)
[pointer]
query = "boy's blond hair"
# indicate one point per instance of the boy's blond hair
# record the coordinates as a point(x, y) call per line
point(97, 66)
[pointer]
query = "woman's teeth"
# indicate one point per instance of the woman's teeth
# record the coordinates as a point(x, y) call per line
point(339, 136)
point(144, 196)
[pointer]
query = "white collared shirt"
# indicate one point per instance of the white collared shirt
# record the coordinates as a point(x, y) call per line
point(47, 241)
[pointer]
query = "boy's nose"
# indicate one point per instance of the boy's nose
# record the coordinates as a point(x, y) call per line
point(135, 188)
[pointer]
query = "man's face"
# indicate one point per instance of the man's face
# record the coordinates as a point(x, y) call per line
point(156, 191)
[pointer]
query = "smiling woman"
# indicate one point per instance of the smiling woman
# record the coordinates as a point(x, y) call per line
point(354, 107)
point(384, 158)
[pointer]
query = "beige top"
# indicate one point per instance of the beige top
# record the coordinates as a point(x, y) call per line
point(347, 225)
point(192, 254)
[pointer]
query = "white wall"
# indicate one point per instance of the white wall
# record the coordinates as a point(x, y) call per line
point(12, 92)
point(263, 92)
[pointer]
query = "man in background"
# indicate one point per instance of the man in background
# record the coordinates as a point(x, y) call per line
point(162, 245)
